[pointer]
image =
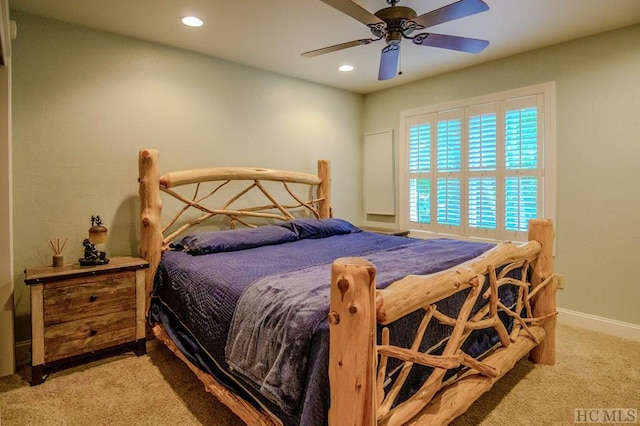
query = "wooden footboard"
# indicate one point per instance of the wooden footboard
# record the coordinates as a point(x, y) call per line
point(357, 363)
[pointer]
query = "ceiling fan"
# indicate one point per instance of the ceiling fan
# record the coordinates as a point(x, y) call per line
point(394, 23)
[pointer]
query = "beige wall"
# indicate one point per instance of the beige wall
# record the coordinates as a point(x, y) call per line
point(85, 102)
point(598, 149)
point(6, 265)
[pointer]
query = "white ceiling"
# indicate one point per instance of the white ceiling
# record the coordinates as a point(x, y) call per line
point(271, 34)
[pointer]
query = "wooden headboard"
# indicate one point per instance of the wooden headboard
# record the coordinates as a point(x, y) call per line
point(286, 204)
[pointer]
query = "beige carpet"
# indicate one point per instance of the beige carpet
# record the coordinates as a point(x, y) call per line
point(593, 371)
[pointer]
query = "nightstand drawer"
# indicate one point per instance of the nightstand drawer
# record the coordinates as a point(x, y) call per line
point(87, 335)
point(75, 299)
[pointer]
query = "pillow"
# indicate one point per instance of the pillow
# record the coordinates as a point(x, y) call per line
point(232, 240)
point(319, 228)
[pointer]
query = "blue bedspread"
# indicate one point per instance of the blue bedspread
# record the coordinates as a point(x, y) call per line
point(276, 316)
point(195, 297)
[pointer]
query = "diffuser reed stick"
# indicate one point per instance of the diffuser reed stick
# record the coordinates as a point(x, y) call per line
point(55, 245)
point(57, 248)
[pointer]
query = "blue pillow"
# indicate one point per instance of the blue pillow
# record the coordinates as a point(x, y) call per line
point(232, 240)
point(319, 228)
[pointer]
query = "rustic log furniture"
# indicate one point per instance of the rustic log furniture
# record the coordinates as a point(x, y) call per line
point(357, 362)
point(84, 310)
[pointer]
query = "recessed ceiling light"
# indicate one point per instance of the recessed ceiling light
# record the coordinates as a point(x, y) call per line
point(345, 68)
point(192, 21)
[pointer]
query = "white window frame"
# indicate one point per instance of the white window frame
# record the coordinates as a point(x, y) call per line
point(546, 94)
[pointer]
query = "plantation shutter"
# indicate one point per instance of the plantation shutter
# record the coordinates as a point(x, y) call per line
point(448, 171)
point(477, 170)
point(420, 170)
point(522, 168)
point(482, 171)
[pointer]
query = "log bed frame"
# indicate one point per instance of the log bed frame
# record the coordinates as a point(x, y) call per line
point(357, 363)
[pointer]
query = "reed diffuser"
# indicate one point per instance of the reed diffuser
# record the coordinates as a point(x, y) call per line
point(57, 248)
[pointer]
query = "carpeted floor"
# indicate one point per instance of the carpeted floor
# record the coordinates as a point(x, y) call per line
point(593, 371)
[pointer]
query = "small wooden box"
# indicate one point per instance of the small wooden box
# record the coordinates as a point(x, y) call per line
point(78, 311)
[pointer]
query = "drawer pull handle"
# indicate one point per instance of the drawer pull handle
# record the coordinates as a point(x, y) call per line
point(93, 332)
point(93, 298)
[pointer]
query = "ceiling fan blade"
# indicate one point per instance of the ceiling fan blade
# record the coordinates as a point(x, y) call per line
point(337, 47)
point(456, 10)
point(389, 62)
point(462, 44)
point(357, 12)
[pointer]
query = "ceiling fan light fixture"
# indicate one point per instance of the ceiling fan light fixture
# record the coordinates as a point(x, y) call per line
point(345, 68)
point(192, 21)
point(395, 23)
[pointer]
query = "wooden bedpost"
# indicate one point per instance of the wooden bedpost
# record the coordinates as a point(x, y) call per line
point(352, 347)
point(324, 189)
point(150, 210)
point(544, 303)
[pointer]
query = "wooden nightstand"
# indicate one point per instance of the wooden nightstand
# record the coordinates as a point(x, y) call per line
point(77, 311)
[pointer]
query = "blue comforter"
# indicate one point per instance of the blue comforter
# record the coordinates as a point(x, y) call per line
point(248, 302)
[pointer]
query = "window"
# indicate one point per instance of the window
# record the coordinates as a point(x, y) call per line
point(480, 167)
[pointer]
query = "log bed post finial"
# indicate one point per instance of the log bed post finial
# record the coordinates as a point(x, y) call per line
point(352, 346)
point(541, 230)
point(324, 189)
point(150, 210)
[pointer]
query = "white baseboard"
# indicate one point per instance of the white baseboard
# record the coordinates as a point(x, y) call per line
point(616, 328)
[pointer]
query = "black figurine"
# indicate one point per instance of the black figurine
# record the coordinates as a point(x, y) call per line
point(92, 256)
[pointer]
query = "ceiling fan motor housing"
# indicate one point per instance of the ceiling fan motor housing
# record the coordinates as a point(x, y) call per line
point(398, 20)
